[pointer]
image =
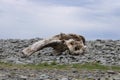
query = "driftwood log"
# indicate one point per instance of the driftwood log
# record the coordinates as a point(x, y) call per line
point(74, 43)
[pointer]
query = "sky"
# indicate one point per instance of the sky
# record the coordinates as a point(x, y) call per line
point(25, 19)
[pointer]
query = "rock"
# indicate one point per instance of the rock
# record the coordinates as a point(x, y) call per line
point(111, 72)
point(44, 76)
point(2, 75)
point(64, 79)
point(117, 77)
point(22, 77)
point(74, 71)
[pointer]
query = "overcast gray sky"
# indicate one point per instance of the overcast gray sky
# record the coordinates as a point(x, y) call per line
point(95, 19)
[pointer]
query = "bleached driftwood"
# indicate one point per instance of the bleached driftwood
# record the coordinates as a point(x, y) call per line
point(75, 44)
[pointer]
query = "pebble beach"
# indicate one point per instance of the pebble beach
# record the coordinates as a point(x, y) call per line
point(104, 52)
